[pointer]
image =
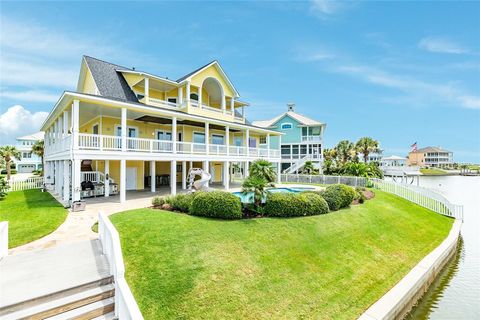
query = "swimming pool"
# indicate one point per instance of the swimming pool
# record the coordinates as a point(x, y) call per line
point(248, 198)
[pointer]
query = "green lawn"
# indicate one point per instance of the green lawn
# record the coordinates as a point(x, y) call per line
point(332, 266)
point(31, 214)
point(433, 171)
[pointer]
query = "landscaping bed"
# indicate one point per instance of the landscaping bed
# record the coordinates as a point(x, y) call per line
point(328, 266)
point(31, 214)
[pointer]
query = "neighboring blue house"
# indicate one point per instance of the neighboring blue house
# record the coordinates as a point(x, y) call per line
point(302, 140)
point(30, 161)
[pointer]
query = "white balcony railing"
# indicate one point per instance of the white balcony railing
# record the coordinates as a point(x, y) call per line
point(114, 143)
point(61, 145)
point(163, 103)
point(311, 139)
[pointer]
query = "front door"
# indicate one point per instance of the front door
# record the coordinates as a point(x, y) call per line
point(131, 178)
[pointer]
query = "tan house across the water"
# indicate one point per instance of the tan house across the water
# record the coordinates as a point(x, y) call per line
point(430, 157)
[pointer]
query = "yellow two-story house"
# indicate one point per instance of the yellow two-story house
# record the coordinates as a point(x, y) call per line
point(125, 129)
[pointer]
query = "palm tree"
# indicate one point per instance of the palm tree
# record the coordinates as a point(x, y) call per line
point(308, 167)
point(8, 153)
point(367, 145)
point(345, 151)
point(258, 186)
point(39, 148)
point(264, 169)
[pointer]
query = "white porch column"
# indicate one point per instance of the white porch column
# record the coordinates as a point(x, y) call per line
point(246, 172)
point(76, 188)
point(226, 175)
point(57, 183)
point(147, 90)
point(75, 123)
point(188, 91)
point(124, 129)
point(180, 96)
point(224, 104)
point(200, 100)
point(279, 172)
point(174, 134)
point(61, 177)
point(232, 106)
point(65, 123)
point(247, 141)
point(207, 137)
point(60, 128)
point(227, 139)
point(173, 177)
point(268, 145)
point(184, 175)
point(107, 178)
point(153, 180)
point(205, 168)
point(66, 180)
point(123, 180)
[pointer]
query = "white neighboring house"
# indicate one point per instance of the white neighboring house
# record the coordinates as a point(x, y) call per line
point(372, 157)
point(30, 161)
point(394, 161)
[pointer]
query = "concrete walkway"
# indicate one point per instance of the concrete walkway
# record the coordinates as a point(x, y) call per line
point(78, 225)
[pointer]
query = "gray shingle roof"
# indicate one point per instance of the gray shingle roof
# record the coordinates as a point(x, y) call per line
point(110, 83)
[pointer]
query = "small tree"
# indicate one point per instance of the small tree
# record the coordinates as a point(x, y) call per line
point(8, 153)
point(309, 168)
point(263, 169)
point(258, 186)
point(3, 187)
point(367, 145)
point(39, 148)
point(345, 151)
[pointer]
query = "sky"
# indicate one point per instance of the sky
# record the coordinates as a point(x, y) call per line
point(398, 71)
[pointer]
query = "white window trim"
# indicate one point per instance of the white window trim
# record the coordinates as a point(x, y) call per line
point(199, 132)
point(157, 131)
point(117, 126)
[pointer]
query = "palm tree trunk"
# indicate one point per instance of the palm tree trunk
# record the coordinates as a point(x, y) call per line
point(8, 169)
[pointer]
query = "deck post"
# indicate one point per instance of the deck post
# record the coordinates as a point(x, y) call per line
point(123, 180)
point(227, 139)
point(173, 177)
point(247, 170)
point(207, 140)
point(226, 175)
point(75, 123)
point(124, 129)
point(174, 134)
point(184, 175)
point(153, 180)
point(279, 172)
point(107, 178)
point(205, 168)
point(247, 141)
point(76, 188)
point(66, 181)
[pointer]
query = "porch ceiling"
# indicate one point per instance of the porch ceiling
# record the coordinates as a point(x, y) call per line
point(181, 122)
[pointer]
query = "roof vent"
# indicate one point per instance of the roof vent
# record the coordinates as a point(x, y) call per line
point(133, 68)
point(291, 107)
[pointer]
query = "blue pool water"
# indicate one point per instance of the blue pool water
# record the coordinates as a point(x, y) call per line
point(248, 198)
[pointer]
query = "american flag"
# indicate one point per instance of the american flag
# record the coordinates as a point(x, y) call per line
point(414, 147)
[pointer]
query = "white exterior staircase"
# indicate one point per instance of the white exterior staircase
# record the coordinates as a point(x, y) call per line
point(298, 165)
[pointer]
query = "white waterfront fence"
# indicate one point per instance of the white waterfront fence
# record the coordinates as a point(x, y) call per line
point(126, 307)
point(324, 179)
point(421, 196)
point(3, 239)
point(25, 184)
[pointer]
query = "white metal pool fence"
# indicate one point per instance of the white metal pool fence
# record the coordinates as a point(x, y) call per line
point(25, 184)
point(324, 179)
point(421, 196)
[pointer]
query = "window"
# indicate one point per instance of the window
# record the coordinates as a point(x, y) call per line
point(27, 155)
point(198, 137)
point(194, 96)
point(95, 129)
point(252, 142)
point(311, 131)
point(164, 136)
point(286, 150)
point(237, 141)
point(263, 140)
point(286, 126)
point(217, 139)
point(172, 100)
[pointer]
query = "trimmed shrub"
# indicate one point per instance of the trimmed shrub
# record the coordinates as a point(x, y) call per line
point(158, 201)
point(216, 204)
point(183, 202)
point(294, 204)
point(338, 196)
point(360, 196)
point(3, 187)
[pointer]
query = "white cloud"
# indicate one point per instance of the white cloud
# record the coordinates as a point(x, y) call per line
point(325, 7)
point(18, 121)
point(441, 45)
point(470, 102)
point(416, 90)
point(30, 96)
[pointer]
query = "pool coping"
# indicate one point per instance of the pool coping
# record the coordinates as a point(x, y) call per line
point(399, 300)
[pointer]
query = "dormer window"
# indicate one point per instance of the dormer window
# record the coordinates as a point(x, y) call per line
point(194, 96)
point(286, 126)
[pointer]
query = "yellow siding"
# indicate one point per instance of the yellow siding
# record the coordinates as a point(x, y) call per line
point(213, 72)
point(115, 170)
point(132, 79)
point(89, 85)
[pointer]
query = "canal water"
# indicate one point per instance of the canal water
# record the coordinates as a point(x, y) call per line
point(455, 294)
